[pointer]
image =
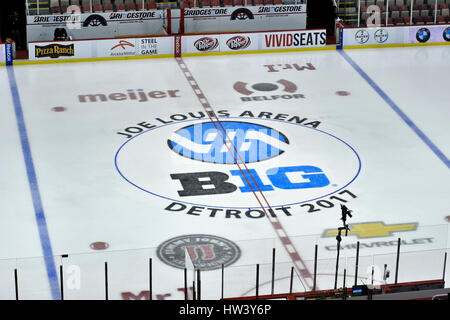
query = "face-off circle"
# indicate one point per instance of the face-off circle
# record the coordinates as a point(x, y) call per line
point(206, 252)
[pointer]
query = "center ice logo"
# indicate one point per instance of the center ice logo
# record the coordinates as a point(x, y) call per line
point(229, 142)
point(220, 165)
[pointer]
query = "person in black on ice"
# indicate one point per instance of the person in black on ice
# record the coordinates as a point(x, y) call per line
point(345, 212)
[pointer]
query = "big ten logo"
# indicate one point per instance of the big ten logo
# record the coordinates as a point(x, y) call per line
point(284, 178)
point(238, 143)
point(74, 21)
point(73, 277)
point(374, 18)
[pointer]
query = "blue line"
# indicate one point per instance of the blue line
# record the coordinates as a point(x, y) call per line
point(397, 110)
point(34, 188)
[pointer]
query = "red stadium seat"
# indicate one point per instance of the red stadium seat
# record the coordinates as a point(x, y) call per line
point(215, 3)
point(130, 7)
point(109, 7)
point(98, 8)
point(440, 19)
point(140, 5)
point(120, 7)
point(151, 5)
point(86, 8)
point(56, 10)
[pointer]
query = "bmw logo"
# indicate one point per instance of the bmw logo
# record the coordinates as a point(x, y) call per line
point(423, 35)
point(446, 34)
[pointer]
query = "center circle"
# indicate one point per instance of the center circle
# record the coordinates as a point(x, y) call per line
point(311, 164)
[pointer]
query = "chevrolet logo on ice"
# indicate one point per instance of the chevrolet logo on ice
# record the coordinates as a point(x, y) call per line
point(372, 229)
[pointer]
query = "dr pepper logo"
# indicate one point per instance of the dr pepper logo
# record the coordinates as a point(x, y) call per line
point(238, 42)
point(206, 44)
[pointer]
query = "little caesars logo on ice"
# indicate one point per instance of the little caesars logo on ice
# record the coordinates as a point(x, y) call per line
point(192, 163)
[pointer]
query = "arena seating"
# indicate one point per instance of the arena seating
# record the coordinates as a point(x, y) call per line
point(60, 6)
point(394, 12)
point(398, 12)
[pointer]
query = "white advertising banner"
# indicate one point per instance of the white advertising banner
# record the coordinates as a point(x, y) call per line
point(134, 47)
point(396, 35)
point(429, 34)
point(239, 42)
point(251, 18)
point(374, 36)
point(293, 39)
point(247, 41)
point(60, 50)
point(101, 48)
point(95, 25)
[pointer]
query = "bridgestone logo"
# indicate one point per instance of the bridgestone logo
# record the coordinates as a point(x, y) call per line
point(238, 42)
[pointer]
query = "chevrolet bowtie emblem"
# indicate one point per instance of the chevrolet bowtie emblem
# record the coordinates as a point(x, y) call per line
point(372, 229)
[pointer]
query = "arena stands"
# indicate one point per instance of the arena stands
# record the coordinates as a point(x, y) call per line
point(44, 7)
point(394, 12)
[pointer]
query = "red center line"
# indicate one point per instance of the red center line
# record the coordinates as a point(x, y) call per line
point(279, 229)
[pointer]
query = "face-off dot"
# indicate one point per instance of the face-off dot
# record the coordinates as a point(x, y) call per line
point(342, 93)
point(59, 109)
point(99, 245)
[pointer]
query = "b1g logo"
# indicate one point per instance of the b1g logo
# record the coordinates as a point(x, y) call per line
point(221, 164)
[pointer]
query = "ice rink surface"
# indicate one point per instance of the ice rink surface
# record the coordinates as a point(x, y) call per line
point(98, 164)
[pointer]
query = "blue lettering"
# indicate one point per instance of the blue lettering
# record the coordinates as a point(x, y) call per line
point(249, 181)
point(315, 176)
